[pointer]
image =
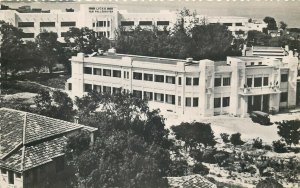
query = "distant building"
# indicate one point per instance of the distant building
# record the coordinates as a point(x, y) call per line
point(266, 51)
point(104, 19)
point(32, 149)
point(191, 88)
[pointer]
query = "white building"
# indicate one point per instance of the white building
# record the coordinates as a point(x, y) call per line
point(106, 18)
point(191, 88)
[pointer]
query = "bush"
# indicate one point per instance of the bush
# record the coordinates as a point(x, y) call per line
point(268, 147)
point(208, 156)
point(268, 182)
point(199, 168)
point(279, 147)
point(225, 137)
point(196, 154)
point(235, 139)
point(257, 143)
point(221, 157)
point(179, 168)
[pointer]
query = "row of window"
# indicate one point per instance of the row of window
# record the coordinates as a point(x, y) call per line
point(47, 24)
point(101, 24)
point(131, 23)
point(257, 81)
point(225, 81)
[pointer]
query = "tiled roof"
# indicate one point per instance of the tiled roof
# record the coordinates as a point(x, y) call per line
point(44, 138)
point(192, 181)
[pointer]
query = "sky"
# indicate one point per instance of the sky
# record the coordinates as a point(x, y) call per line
point(287, 11)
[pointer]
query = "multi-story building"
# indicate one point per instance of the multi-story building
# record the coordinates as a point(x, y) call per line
point(32, 149)
point(104, 19)
point(193, 88)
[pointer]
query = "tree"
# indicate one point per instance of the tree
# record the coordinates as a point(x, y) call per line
point(271, 23)
point(279, 147)
point(257, 38)
point(85, 40)
point(289, 131)
point(257, 143)
point(49, 48)
point(58, 105)
point(11, 48)
point(225, 137)
point(131, 148)
point(235, 139)
point(283, 25)
point(268, 182)
point(194, 134)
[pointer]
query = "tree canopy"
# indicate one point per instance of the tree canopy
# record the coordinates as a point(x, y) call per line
point(289, 131)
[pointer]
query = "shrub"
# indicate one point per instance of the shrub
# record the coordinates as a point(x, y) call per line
point(221, 157)
point(201, 169)
point(279, 147)
point(225, 137)
point(268, 182)
point(289, 131)
point(268, 147)
point(257, 143)
point(196, 154)
point(208, 156)
point(235, 139)
point(179, 168)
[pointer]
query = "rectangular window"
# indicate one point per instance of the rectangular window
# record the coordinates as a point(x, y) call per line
point(148, 95)
point(18, 175)
point(227, 24)
point(87, 70)
point(217, 102)
point(249, 82)
point(127, 23)
point(188, 101)
point(116, 90)
point(97, 71)
point(108, 34)
point(106, 89)
point(137, 93)
point(163, 22)
point(179, 81)
point(148, 77)
point(106, 72)
point(145, 22)
point(88, 87)
point(159, 97)
point(101, 24)
point(283, 97)
point(11, 178)
point(70, 86)
point(196, 81)
point(68, 24)
point(284, 77)
point(258, 82)
point(159, 78)
point(170, 79)
point(226, 81)
point(27, 35)
point(170, 99)
point(3, 171)
point(195, 102)
point(179, 100)
point(108, 23)
point(188, 81)
point(117, 73)
point(239, 24)
point(47, 24)
point(97, 88)
point(226, 101)
point(217, 82)
point(26, 24)
point(137, 76)
point(126, 74)
point(266, 81)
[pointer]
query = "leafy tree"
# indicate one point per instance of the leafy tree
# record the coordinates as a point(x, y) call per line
point(257, 38)
point(235, 139)
point(85, 40)
point(225, 137)
point(58, 105)
point(11, 48)
point(268, 182)
point(279, 146)
point(199, 168)
point(272, 25)
point(132, 146)
point(283, 25)
point(289, 131)
point(194, 134)
point(49, 49)
point(257, 143)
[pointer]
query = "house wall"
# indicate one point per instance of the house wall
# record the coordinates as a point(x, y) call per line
point(4, 182)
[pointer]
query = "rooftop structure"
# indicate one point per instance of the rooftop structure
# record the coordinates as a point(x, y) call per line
point(29, 142)
point(266, 51)
point(189, 87)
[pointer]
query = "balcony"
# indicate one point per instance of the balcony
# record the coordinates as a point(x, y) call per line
point(259, 91)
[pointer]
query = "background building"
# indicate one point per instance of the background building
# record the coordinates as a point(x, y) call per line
point(193, 88)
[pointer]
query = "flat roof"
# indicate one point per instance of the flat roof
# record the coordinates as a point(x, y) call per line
point(248, 58)
point(267, 48)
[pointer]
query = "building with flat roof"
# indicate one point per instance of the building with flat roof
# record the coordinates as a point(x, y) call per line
point(188, 87)
point(32, 149)
point(104, 19)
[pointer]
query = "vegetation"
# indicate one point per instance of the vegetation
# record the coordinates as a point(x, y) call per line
point(279, 146)
point(257, 143)
point(289, 131)
point(235, 139)
point(225, 137)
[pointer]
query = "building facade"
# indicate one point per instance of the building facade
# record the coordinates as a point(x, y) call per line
point(191, 88)
point(104, 19)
